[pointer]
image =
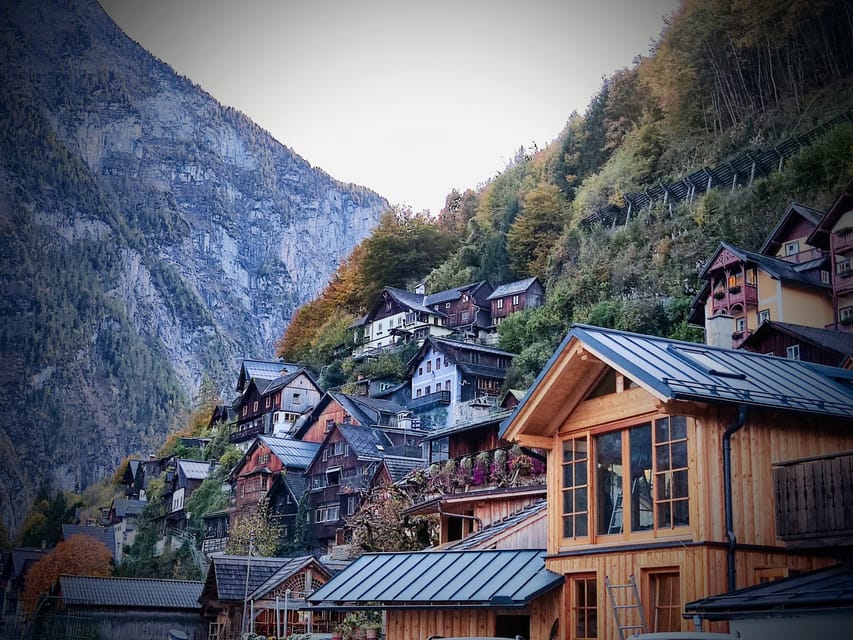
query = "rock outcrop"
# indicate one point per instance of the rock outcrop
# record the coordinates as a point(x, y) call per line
point(150, 236)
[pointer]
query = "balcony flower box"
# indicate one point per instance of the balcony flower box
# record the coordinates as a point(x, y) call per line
point(735, 288)
point(719, 294)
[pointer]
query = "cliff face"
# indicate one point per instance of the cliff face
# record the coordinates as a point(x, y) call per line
point(149, 236)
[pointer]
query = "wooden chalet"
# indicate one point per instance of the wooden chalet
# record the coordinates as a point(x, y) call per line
point(511, 297)
point(344, 469)
point(661, 482)
point(398, 317)
point(181, 482)
point(466, 309)
point(453, 381)
point(266, 460)
point(273, 407)
point(263, 596)
point(834, 233)
point(811, 344)
point(118, 608)
point(342, 408)
point(499, 592)
point(787, 280)
point(475, 479)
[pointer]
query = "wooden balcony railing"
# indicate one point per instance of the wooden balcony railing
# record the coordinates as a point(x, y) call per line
point(727, 297)
point(842, 240)
point(814, 503)
point(240, 435)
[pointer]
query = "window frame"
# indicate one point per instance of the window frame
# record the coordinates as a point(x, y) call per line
point(652, 576)
point(589, 610)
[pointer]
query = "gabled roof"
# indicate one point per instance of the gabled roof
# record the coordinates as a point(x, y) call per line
point(488, 534)
point(511, 288)
point(676, 370)
point(194, 469)
point(825, 590)
point(414, 301)
point(786, 271)
point(843, 204)
point(794, 210)
point(365, 442)
point(126, 507)
point(263, 370)
point(430, 579)
point(104, 535)
point(399, 467)
point(283, 381)
point(227, 576)
point(491, 420)
point(451, 347)
point(291, 567)
point(295, 454)
point(130, 593)
point(23, 557)
point(838, 341)
point(455, 293)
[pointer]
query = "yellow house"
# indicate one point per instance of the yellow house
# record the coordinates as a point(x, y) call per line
point(787, 280)
point(660, 472)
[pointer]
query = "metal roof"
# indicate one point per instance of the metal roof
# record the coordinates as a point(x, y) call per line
point(194, 469)
point(673, 369)
point(511, 288)
point(451, 294)
point(365, 442)
point(838, 341)
point(503, 578)
point(104, 535)
point(295, 454)
point(264, 369)
point(399, 467)
point(829, 589)
point(128, 507)
point(486, 535)
point(134, 593)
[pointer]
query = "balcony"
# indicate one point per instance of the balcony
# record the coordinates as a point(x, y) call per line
point(241, 435)
point(814, 506)
point(504, 467)
point(844, 282)
point(804, 256)
point(738, 338)
point(724, 298)
point(429, 401)
point(842, 240)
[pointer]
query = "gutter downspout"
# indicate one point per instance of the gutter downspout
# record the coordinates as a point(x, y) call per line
point(727, 485)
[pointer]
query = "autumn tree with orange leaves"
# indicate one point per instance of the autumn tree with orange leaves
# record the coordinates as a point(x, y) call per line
point(79, 555)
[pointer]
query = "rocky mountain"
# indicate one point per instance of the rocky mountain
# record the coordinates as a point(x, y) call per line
point(148, 236)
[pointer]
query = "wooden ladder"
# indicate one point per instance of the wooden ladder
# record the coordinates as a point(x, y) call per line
point(627, 604)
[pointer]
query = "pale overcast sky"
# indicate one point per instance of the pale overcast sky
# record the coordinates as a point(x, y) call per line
point(410, 99)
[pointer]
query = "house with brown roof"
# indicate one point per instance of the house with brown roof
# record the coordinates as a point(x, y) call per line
point(785, 340)
point(512, 297)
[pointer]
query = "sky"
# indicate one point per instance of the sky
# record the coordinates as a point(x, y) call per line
point(410, 99)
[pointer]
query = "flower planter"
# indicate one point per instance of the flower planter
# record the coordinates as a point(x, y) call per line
point(734, 289)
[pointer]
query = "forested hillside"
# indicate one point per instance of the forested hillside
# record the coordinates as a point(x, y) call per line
point(726, 76)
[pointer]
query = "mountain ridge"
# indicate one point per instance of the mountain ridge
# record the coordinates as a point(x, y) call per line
point(151, 237)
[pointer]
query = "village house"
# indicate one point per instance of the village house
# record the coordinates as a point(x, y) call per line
point(784, 340)
point(662, 472)
point(475, 479)
point(343, 471)
point(249, 594)
point(787, 280)
point(181, 481)
point(118, 608)
point(515, 296)
point(834, 233)
point(453, 381)
point(273, 407)
point(267, 459)
point(342, 408)
point(466, 309)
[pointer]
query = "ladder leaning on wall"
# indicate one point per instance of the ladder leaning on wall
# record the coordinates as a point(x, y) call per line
point(627, 607)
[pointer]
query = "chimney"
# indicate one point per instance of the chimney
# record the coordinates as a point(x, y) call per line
point(719, 330)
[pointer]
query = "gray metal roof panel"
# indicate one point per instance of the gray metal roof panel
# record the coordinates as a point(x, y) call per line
point(130, 592)
point(295, 454)
point(511, 288)
point(194, 469)
point(487, 533)
point(827, 589)
point(472, 578)
point(265, 369)
point(668, 369)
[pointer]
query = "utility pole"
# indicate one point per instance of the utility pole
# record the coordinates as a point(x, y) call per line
point(244, 624)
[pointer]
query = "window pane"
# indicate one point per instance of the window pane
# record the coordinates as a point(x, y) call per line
point(580, 473)
point(679, 427)
point(681, 515)
point(663, 462)
point(642, 512)
point(679, 454)
point(580, 499)
point(608, 450)
point(568, 526)
point(662, 430)
point(679, 484)
point(581, 525)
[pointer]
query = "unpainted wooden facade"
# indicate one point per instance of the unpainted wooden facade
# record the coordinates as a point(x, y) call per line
point(538, 618)
point(636, 488)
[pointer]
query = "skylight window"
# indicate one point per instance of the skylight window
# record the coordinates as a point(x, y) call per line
point(705, 360)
